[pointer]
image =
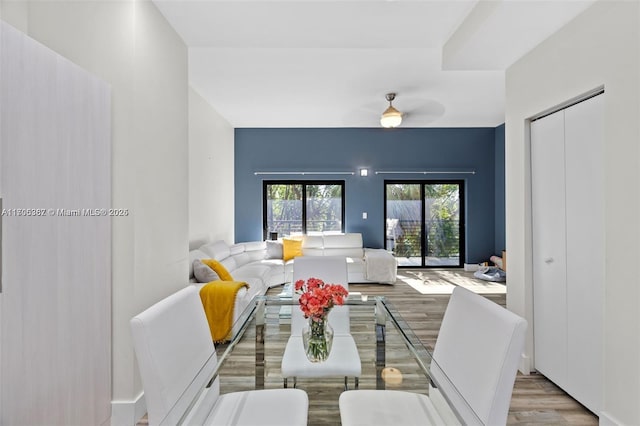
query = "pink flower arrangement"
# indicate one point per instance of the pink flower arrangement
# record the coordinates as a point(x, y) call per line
point(317, 298)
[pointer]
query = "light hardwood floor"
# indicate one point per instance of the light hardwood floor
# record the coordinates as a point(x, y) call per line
point(535, 399)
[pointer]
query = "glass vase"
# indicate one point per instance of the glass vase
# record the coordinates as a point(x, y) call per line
point(317, 337)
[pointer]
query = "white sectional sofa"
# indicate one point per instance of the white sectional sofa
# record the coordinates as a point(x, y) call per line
point(250, 259)
point(251, 262)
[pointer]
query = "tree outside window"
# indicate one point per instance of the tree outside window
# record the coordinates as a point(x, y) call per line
point(294, 207)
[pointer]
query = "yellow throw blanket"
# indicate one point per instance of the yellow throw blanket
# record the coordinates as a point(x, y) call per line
point(218, 299)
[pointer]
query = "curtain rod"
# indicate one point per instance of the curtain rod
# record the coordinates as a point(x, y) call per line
point(303, 173)
point(428, 172)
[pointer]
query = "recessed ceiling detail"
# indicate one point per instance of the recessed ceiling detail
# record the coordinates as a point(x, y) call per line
point(266, 63)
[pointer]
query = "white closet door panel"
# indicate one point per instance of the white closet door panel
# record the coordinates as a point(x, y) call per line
point(549, 257)
point(585, 248)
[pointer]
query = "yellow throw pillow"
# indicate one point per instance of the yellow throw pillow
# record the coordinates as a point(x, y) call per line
point(291, 249)
point(218, 268)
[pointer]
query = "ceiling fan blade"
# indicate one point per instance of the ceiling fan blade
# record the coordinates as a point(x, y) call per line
point(427, 112)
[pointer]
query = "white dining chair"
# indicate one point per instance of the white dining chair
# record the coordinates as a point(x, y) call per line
point(344, 359)
point(476, 356)
point(172, 345)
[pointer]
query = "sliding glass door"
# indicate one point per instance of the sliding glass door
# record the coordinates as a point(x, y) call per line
point(443, 234)
point(403, 205)
point(425, 222)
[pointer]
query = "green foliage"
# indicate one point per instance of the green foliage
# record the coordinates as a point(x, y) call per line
point(441, 218)
point(402, 191)
point(284, 212)
point(443, 221)
point(323, 207)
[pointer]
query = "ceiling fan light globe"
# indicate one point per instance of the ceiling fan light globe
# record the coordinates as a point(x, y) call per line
point(391, 118)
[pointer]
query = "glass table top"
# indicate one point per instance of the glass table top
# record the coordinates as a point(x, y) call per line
point(391, 355)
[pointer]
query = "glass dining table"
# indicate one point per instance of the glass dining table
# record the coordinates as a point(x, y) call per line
point(391, 356)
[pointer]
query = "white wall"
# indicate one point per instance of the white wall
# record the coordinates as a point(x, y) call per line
point(211, 191)
point(14, 12)
point(600, 47)
point(130, 45)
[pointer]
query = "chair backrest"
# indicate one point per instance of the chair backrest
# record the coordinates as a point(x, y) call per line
point(331, 270)
point(172, 342)
point(478, 349)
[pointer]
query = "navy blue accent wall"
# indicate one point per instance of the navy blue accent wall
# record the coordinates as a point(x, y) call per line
point(349, 149)
point(500, 239)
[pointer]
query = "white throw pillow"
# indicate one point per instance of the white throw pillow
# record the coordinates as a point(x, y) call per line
point(274, 250)
point(203, 273)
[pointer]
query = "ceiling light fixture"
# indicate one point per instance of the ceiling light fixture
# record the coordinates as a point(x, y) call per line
point(391, 117)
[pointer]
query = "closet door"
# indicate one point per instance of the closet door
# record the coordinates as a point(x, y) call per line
point(568, 248)
point(549, 242)
point(585, 248)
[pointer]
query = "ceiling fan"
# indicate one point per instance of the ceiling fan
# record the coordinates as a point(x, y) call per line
point(415, 111)
point(391, 117)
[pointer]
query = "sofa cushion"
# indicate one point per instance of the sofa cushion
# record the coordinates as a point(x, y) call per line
point(355, 264)
point(349, 245)
point(313, 241)
point(291, 249)
point(272, 262)
point(241, 259)
point(229, 263)
point(351, 240)
point(380, 266)
point(217, 250)
point(312, 245)
point(250, 246)
point(255, 281)
point(235, 249)
point(253, 270)
point(274, 250)
point(195, 255)
point(347, 252)
point(203, 273)
point(276, 274)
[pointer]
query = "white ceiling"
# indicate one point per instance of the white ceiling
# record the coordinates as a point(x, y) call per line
point(329, 63)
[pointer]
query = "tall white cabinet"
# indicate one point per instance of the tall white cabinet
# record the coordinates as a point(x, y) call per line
point(568, 248)
point(55, 170)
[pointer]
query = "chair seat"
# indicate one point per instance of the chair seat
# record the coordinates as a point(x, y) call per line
point(343, 360)
point(272, 407)
point(389, 407)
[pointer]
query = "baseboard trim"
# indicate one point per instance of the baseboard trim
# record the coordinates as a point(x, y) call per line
point(605, 419)
point(128, 412)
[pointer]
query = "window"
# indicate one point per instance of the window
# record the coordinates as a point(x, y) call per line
point(303, 207)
